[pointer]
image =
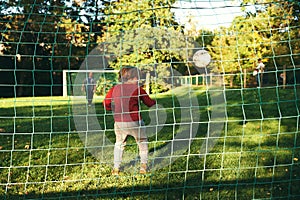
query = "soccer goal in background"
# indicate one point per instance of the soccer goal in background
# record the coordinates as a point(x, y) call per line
point(73, 80)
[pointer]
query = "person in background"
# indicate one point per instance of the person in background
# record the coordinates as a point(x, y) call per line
point(260, 69)
point(89, 87)
point(123, 99)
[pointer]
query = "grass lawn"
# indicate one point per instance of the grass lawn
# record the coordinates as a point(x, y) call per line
point(45, 154)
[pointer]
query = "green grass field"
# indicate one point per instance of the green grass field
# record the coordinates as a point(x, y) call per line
point(255, 157)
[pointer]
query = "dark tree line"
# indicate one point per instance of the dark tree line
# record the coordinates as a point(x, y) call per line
point(38, 42)
point(41, 38)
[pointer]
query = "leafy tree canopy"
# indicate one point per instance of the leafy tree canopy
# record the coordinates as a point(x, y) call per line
point(144, 33)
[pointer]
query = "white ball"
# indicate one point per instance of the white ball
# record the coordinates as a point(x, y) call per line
point(201, 58)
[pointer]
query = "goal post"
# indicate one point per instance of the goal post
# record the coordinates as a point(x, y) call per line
point(69, 80)
point(73, 79)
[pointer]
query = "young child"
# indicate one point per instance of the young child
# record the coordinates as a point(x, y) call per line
point(123, 99)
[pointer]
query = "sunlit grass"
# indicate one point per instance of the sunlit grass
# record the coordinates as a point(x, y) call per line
point(255, 155)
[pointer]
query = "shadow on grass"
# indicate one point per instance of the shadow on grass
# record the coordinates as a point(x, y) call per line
point(258, 161)
point(183, 185)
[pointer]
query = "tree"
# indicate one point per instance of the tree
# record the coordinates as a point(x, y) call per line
point(28, 36)
point(145, 33)
point(267, 33)
point(41, 39)
point(238, 47)
point(283, 32)
point(281, 24)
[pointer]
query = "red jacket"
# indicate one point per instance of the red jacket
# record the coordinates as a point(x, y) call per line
point(124, 100)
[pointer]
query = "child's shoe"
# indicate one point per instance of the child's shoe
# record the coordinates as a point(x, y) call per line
point(115, 172)
point(143, 169)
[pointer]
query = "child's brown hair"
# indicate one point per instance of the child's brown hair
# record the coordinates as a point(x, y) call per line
point(128, 73)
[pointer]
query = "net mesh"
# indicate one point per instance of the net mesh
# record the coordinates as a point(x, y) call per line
point(215, 132)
